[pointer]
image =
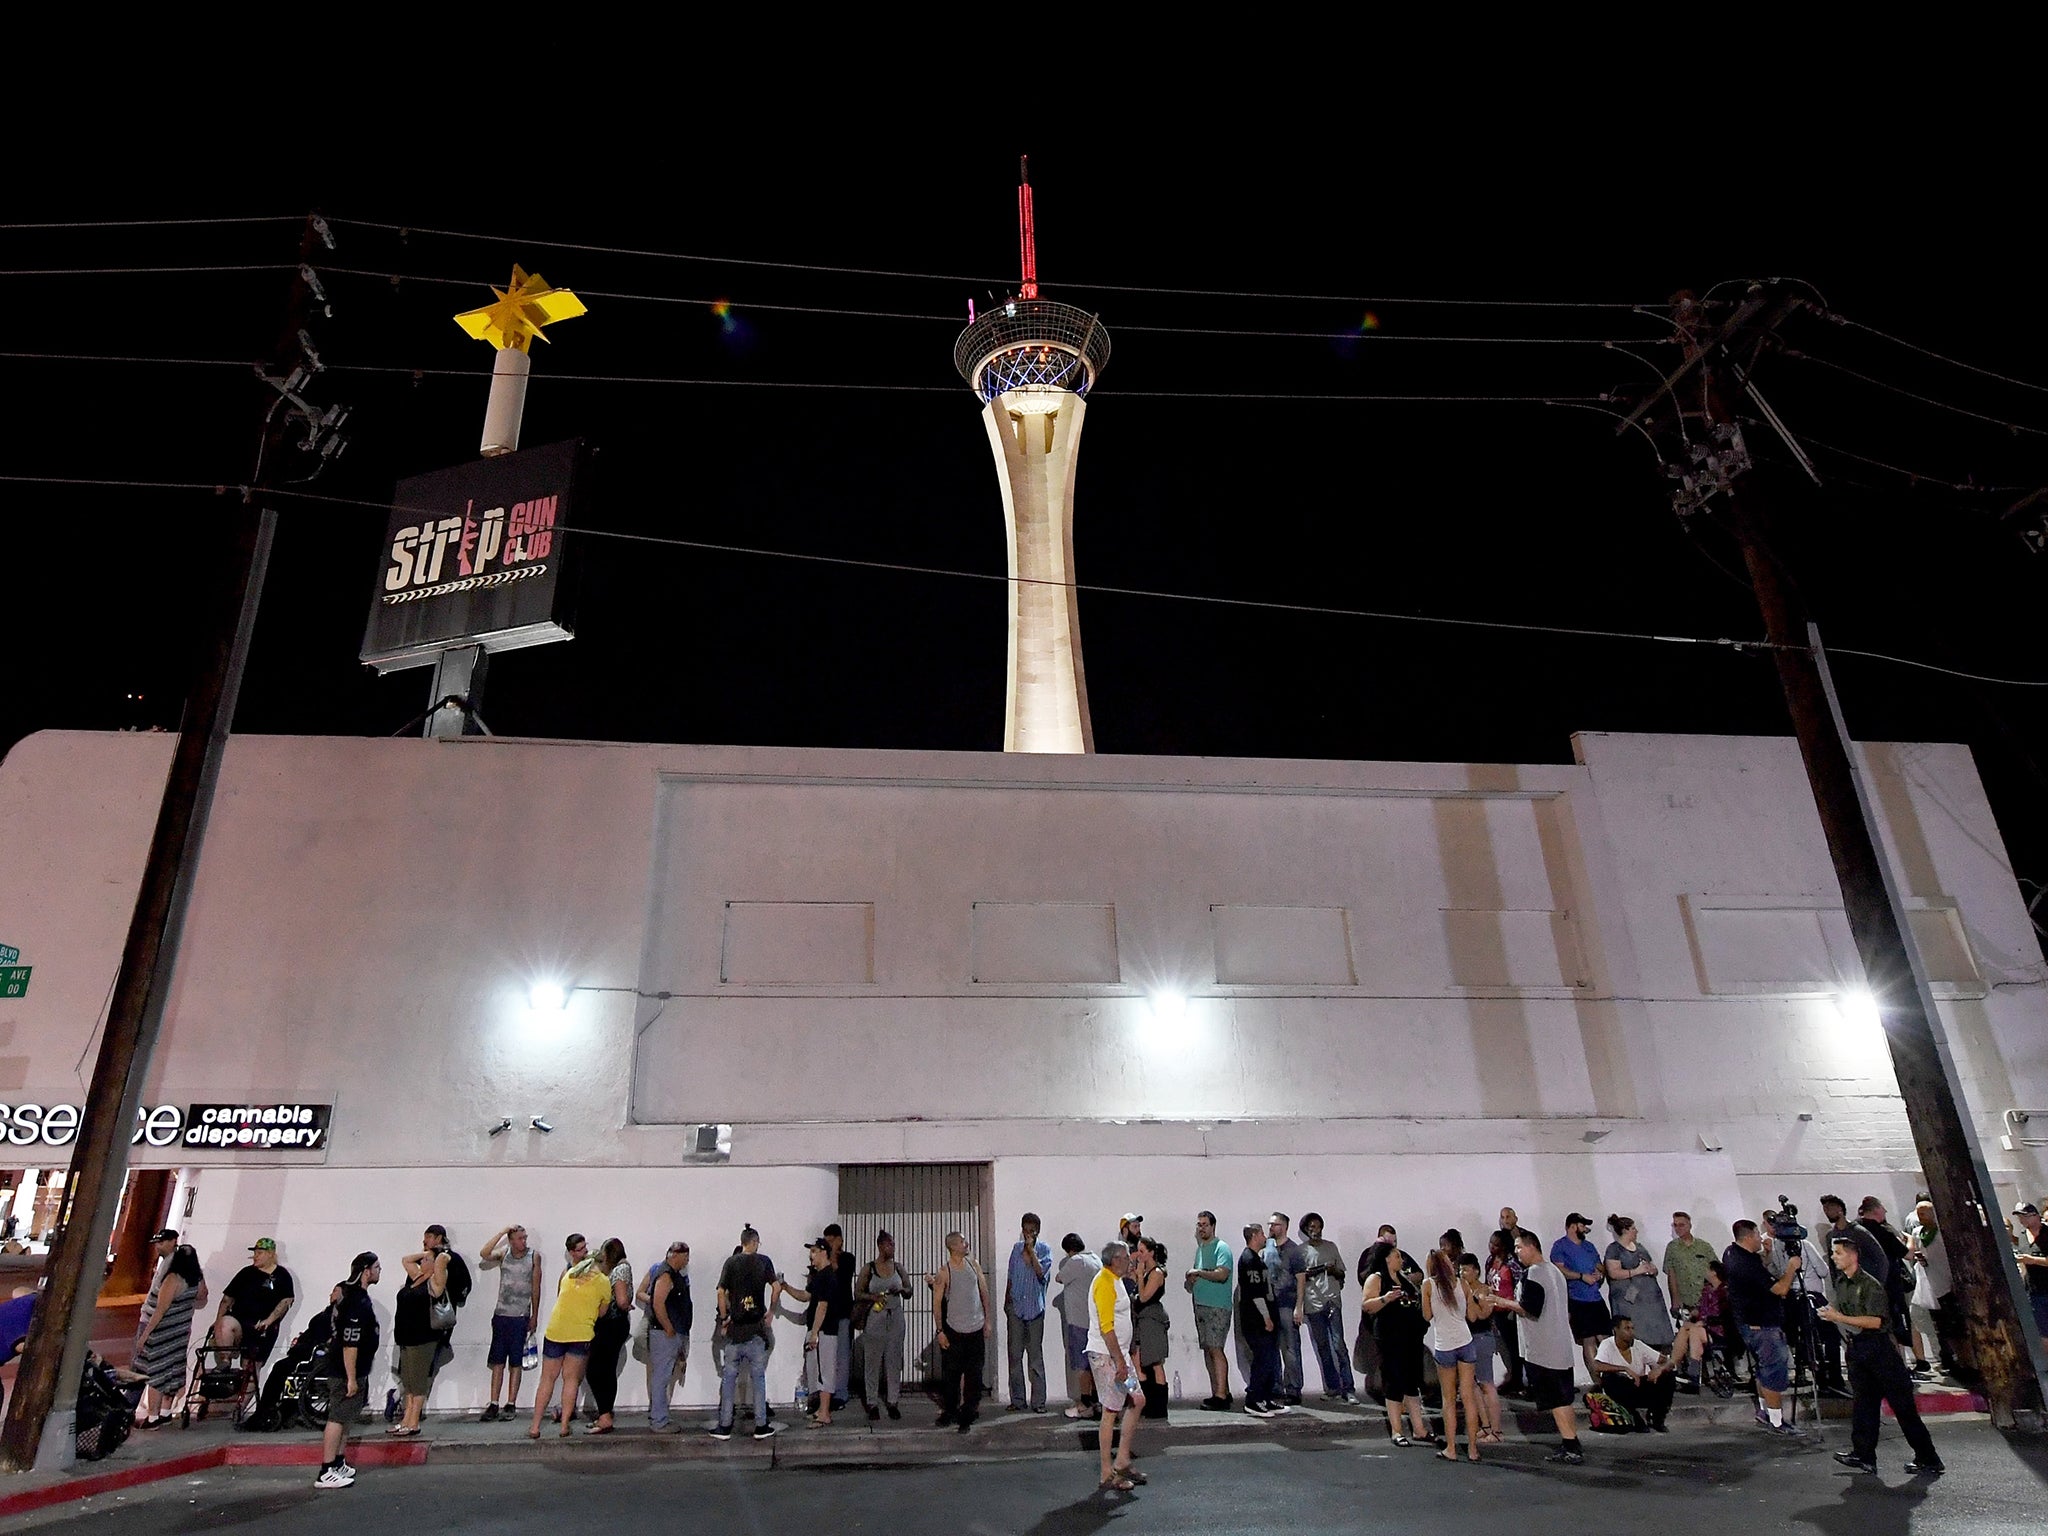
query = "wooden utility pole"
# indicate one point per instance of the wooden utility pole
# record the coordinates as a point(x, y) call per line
point(38, 1431)
point(1998, 1326)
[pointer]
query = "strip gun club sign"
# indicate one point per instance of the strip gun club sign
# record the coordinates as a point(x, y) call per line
point(474, 556)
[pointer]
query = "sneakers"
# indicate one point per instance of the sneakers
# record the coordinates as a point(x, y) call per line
point(1348, 1397)
point(763, 1431)
point(489, 1415)
point(1261, 1410)
point(1565, 1457)
point(894, 1411)
point(1924, 1469)
point(1854, 1462)
point(1689, 1384)
point(335, 1477)
point(720, 1431)
point(1216, 1404)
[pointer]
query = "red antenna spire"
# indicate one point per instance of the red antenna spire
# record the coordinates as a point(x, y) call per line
point(1027, 230)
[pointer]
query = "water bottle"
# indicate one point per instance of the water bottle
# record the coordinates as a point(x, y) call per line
point(1176, 1386)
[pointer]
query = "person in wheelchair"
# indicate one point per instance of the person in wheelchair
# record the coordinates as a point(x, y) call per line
point(254, 1303)
point(295, 1374)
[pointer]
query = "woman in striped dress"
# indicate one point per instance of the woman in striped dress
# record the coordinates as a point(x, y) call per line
point(163, 1344)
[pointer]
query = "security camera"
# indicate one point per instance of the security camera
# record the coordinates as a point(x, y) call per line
point(502, 1126)
point(542, 1126)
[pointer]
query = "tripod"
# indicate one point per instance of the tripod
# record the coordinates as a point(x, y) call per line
point(1805, 1384)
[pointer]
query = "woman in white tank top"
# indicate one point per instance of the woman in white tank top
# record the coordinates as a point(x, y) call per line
point(1447, 1307)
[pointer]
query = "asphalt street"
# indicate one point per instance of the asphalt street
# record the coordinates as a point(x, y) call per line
point(1705, 1480)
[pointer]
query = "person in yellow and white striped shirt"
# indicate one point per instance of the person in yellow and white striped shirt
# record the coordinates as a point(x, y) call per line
point(1116, 1375)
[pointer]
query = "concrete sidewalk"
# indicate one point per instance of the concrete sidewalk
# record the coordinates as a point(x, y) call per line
point(852, 1440)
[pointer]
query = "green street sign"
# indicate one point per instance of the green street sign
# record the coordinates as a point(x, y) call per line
point(14, 980)
point(9, 955)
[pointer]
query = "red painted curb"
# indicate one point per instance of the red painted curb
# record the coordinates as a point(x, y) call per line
point(1945, 1402)
point(366, 1453)
point(110, 1482)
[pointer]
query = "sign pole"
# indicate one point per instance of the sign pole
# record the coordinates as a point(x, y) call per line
point(455, 697)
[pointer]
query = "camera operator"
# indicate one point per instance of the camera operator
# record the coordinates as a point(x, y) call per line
point(1759, 1305)
point(1862, 1310)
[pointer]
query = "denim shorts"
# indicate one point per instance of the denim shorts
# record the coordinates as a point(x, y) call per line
point(1077, 1348)
point(508, 1340)
point(554, 1349)
point(1482, 1369)
point(1773, 1357)
point(1467, 1352)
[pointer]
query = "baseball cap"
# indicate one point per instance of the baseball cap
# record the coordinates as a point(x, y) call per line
point(1577, 1220)
point(817, 1242)
point(360, 1265)
point(266, 1244)
point(1131, 1216)
point(168, 1235)
point(2026, 1208)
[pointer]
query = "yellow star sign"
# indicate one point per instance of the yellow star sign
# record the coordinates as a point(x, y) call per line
point(520, 312)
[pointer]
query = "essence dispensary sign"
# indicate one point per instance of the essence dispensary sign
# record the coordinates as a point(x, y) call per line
point(230, 1127)
point(474, 556)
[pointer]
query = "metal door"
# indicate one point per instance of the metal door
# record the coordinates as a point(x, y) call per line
point(918, 1204)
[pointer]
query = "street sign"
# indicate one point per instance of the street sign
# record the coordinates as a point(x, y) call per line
point(14, 980)
point(9, 955)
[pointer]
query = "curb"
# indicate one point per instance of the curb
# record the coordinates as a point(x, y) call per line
point(116, 1479)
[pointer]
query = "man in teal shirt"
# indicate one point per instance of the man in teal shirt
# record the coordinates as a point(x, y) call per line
point(1209, 1281)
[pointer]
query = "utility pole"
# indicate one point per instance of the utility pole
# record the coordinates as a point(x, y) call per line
point(1997, 1323)
point(38, 1432)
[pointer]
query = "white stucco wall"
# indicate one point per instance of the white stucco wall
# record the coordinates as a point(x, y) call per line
point(1513, 1008)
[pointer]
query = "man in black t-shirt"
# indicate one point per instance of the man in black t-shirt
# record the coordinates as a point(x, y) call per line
point(1759, 1306)
point(1256, 1325)
point(350, 1353)
point(254, 1303)
point(747, 1290)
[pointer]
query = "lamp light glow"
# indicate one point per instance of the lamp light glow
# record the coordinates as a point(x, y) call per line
point(547, 997)
point(1169, 1006)
point(1858, 1009)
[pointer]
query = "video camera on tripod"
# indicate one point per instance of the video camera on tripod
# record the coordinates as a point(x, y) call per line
point(1785, 1225)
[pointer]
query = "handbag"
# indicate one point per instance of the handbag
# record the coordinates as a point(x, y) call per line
point(441, 1316)
point(863, 1303)
point(1923, 1290)
point(642, 1324)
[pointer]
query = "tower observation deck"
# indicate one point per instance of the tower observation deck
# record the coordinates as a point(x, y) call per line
point(1031, 362)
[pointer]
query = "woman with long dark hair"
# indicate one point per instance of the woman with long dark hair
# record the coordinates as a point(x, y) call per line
point(1149, 1323)
point(1393, 1304)
point(1445, 1305)
point(609, 1335)
point(164, 1341)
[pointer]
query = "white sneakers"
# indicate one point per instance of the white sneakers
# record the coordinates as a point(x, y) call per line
point(335, 1477)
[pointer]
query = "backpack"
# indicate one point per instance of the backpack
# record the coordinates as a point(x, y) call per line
point(1608, 1417)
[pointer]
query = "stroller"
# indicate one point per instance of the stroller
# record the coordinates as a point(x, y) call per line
point(221, 1373)
point(105, 1412)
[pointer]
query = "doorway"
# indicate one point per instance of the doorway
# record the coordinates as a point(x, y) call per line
point(918, 1204)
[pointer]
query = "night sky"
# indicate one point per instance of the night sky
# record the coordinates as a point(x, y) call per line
point(1523, 512)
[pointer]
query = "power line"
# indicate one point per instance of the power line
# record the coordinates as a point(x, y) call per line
point(1370, 338)
point(266, 266)
point(1562, 631)
point(1996, 421)
point(1940, 357)
point(282, 218)
point(1917, 476)
point(955, 277)
point(865, 386)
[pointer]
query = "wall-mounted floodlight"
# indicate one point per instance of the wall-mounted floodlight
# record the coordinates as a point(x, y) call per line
point(547, 997)
point(1169, 1006)
point(1858, 1009)
point(542, 1126)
